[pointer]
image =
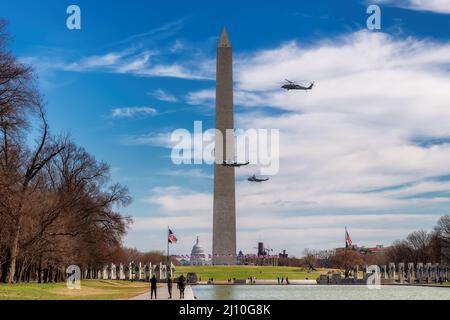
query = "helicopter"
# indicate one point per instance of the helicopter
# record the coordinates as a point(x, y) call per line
point(234, 164)
point(255, 179)
point(290, 85)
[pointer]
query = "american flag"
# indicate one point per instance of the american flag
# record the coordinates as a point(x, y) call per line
point(172, 237)
point(348, 239)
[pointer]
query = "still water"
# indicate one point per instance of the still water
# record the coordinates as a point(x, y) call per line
point(316, 292)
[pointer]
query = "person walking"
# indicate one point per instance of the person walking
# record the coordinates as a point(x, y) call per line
point(169, 286)
point(181, 286)
point(153, 285)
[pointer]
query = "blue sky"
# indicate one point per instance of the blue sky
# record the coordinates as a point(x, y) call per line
point(368, 148)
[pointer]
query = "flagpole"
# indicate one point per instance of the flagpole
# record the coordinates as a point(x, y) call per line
point(345, 252)
point(168, 243)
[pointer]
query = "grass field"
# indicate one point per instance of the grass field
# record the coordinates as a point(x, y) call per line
point(122, 290)
point(221, 273)
point(90, 290)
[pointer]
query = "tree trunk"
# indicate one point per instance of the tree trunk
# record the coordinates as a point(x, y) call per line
point(20, 270)
point(40, 272)
point(14, 250)
point(4, 267)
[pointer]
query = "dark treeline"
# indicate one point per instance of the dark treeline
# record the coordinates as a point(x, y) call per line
point(58, 206)
point(134, 255)
point(424, 246)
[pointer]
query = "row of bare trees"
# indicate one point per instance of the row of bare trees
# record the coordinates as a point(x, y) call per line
point(424, 246)
point(57, 204)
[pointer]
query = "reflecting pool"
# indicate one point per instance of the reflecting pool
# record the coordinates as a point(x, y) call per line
point(318, 292)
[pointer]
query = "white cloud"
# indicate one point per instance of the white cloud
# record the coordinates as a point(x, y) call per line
point(133, 112)
point(161, 139)
point(173, 71)
point(438, 6)
point(93, 62)
point(349, 151)
point(190, 173)
point(202, 97)
point(190, 213)
point(143, 64)
point(163, 95)
point(176, 199)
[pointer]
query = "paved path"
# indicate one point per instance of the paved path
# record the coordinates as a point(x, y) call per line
point(163, 294)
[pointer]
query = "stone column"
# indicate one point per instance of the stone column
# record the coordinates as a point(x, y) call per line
point(419, 272)
point(392, 271)
point(355, 274)
point(151, 267)
point(172, 270)
point(130, 271)
point(401, 272)
point(434, 272)
point(411, 277)
point(139, 277)
point(122, 272)
point(428, 272)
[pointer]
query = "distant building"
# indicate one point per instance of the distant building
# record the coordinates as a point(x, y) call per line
point(255, 260)
point(378, 249)
point(283, 255)
point(198, 256)
point(262, 258)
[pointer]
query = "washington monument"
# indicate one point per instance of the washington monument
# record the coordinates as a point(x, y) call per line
point(224, 220)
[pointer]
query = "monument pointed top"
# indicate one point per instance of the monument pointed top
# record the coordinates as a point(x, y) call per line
point(224, 40)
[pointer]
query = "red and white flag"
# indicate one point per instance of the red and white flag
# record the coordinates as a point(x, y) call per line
point(348, 239)
point(172, 237)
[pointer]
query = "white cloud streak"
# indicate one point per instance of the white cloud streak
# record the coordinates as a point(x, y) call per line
point(437, 6)
point(133, 112)
point(163, 96)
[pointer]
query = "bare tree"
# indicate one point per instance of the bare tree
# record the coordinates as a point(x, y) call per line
point(442, 239)
point(57, 204)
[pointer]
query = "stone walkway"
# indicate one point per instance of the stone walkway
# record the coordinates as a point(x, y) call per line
point(163, 294)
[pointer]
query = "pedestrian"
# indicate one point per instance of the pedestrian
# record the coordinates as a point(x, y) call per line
point(278, 280)
point(169, 286)
point(153, 284)
point(181, 286)
point(287, 280)
point(282, 280)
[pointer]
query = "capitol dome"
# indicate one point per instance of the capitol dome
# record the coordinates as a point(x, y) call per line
point(198, 256)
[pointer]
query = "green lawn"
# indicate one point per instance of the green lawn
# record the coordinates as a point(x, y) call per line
point(90, 290)
point(222, 273)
